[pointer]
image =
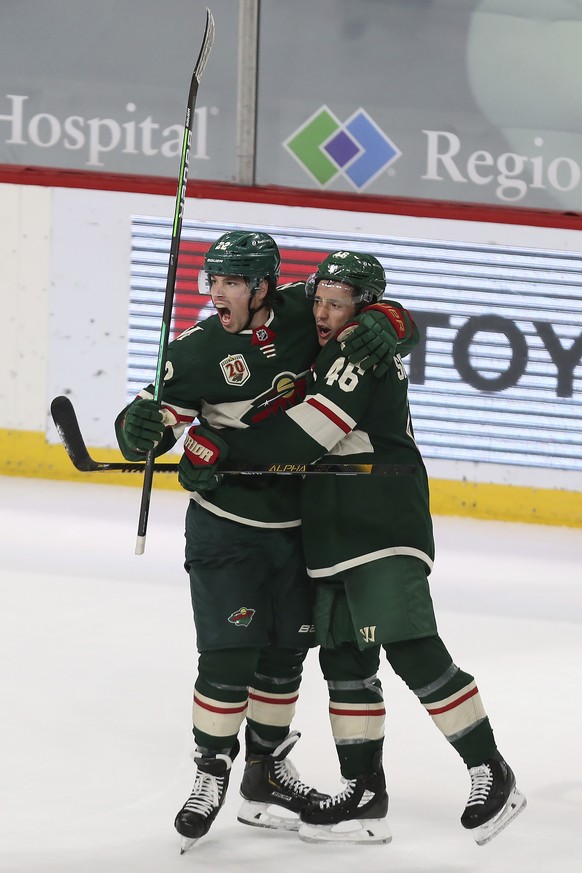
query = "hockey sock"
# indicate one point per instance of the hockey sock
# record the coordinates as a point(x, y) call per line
point(449, 695)
point(221, 697)
point(272, 697)
point(356, 706)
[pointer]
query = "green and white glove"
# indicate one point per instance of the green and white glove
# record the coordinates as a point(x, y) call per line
point(378, 333)
point(372, 343)
point(143, 426)
point(198, 467)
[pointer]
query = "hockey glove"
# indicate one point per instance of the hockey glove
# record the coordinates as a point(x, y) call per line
point(198, 467)
point(370, 342)
point(376, 336)
point(143, 426)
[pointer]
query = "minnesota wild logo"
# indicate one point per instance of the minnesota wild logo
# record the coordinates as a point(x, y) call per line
point(287, 389)
point(242, 617)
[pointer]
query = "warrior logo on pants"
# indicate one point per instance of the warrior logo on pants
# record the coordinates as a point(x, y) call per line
point(369, 633)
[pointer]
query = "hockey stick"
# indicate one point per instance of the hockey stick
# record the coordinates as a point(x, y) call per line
point(205, 48)
point(66, 422)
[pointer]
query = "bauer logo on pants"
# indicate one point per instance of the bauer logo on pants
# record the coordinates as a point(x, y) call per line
point(235, 369)
point(242, 617)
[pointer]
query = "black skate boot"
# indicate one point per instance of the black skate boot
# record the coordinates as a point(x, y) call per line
point(357, 815)
point(272, 781)
point(493, 801)
point(206, 798)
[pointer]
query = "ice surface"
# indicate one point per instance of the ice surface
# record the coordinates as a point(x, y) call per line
point(97, 660)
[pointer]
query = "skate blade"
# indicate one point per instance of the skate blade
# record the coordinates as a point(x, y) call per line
point(186, 843)
point(371, 831)
point(261, 815)
point(516, 803)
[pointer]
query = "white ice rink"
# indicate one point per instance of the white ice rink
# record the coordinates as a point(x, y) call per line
point(97, 661)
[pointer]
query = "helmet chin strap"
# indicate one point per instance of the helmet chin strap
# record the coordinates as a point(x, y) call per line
point(253, 312)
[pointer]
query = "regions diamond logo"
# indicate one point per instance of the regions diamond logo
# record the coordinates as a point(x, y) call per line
point(357, 148)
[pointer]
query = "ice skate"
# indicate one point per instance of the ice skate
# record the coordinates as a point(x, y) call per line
point(273, 793)
point(356, 815)
point(207, 796)
point(494, 800)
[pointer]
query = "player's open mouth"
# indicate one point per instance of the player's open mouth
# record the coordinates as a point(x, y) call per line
point(224, 314)
point(323, 331)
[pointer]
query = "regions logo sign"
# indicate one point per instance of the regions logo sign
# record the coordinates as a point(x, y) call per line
point(356, 149)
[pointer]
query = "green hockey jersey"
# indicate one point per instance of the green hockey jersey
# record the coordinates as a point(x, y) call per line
point(350, 416)
point(235, 380)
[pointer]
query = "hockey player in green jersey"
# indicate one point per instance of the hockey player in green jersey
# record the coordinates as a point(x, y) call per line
point(369, 547)
point(251, 597)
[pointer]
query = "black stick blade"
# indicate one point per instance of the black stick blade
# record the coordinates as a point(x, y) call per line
point(65, 419)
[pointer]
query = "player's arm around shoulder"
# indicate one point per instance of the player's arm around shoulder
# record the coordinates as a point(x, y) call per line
point(339, 395)
point(377, 333)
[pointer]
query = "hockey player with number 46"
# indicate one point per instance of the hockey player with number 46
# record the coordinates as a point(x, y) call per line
point(369, 548)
